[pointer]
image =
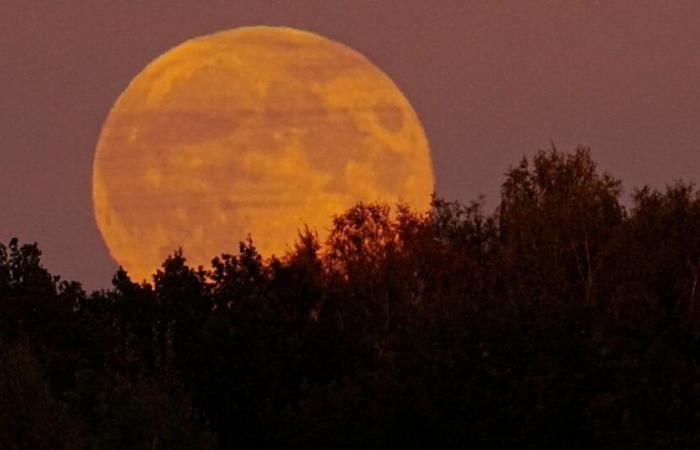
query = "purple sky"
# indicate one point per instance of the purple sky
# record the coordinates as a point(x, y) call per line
point(490, 80)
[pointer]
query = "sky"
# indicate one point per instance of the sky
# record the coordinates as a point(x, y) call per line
point(490, 80)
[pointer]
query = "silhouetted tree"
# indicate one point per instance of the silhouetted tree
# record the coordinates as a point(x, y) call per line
point(560, 320)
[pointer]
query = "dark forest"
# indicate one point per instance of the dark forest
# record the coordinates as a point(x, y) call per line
point(566, 318)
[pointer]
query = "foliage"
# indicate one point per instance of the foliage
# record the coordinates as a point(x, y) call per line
point(562, 320)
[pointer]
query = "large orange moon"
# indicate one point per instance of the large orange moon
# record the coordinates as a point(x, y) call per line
point(256, 130)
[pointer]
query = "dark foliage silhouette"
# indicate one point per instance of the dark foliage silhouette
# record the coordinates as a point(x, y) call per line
point(562, 320)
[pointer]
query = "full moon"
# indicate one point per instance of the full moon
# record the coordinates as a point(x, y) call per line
point(257, 130)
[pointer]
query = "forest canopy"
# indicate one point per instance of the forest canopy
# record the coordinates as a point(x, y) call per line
point(563, 319)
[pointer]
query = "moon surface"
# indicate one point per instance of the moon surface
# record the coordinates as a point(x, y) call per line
point(257, 130)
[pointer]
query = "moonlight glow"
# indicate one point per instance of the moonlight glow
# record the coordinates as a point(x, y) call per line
point(258, 130)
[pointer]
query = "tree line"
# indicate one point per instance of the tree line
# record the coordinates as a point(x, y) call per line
point(563, 319)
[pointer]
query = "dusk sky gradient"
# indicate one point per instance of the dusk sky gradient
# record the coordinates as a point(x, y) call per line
point(490, 80)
